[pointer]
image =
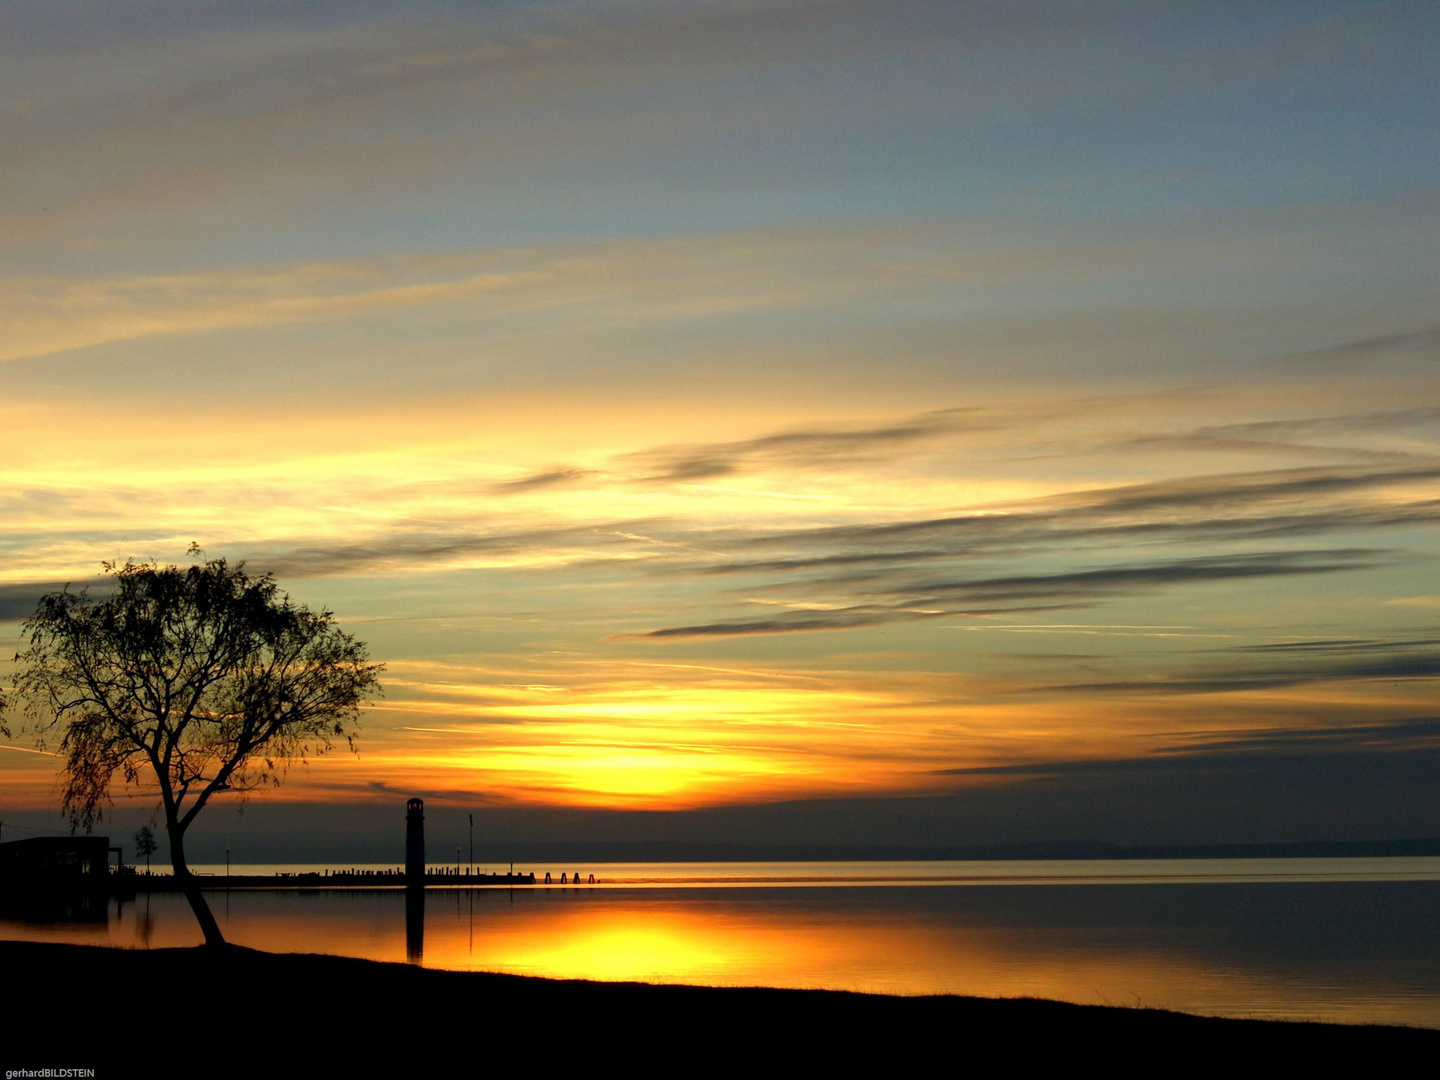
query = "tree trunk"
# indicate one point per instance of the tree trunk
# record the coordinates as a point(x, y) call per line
point(186, 880)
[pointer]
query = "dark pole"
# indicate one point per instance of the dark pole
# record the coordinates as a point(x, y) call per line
point(472, 845)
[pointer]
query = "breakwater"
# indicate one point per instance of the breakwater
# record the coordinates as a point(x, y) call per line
point(347, 878)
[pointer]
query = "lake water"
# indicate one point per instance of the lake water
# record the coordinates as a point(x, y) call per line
point(1335, 939)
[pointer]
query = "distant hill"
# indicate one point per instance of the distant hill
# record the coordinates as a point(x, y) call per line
point(675, 851)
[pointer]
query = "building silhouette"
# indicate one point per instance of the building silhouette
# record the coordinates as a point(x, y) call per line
point(56, 860)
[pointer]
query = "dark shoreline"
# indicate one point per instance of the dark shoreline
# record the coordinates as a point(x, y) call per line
point(83, 1006)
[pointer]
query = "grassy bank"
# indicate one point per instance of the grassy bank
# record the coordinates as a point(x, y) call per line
point(191, 1011)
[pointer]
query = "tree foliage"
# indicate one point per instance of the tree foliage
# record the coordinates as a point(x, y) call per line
point(202, 679)
point(145, 845)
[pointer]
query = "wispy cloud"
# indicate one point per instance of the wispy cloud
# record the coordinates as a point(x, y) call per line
point(928, 598)
point(1081, 584)
point(597, 284)
point(1400, 664)
point(536, 481)
point(1310, 437)
point(813, 448)
point(1339, 646)
point(794, 622)
point(288, 107)
point(1173, 512)
point(19, 601)
point(1411, 348)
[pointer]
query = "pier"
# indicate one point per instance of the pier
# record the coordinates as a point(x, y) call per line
point(350, 878)
point(82, 865)
point(444, 877)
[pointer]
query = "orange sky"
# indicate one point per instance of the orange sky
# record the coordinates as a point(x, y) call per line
point(719, 406)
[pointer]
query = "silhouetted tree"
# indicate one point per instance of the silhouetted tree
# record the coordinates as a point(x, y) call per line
point(145, 845)
point(203, 679)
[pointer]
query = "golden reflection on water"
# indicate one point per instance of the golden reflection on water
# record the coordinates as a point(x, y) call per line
point(651, 942)
point(852, 941)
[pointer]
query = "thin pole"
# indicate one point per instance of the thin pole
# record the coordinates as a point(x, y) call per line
point(472, 845)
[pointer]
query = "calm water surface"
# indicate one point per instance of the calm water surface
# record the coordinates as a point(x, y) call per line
point(1336, 939)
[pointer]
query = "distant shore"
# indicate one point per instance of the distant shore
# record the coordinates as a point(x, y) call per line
point(591, 852)
point(76, 1006)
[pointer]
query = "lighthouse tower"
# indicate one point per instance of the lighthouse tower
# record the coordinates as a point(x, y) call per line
point(415, 842)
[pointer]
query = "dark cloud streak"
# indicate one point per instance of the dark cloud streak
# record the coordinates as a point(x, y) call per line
point(807, 448)
point(1133, 578)
point(1403, 665)
point(793, 623)
point(18, 601)
point(1286, 436)
point(551, 478)
point(1258, 749)
point(928, 599)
